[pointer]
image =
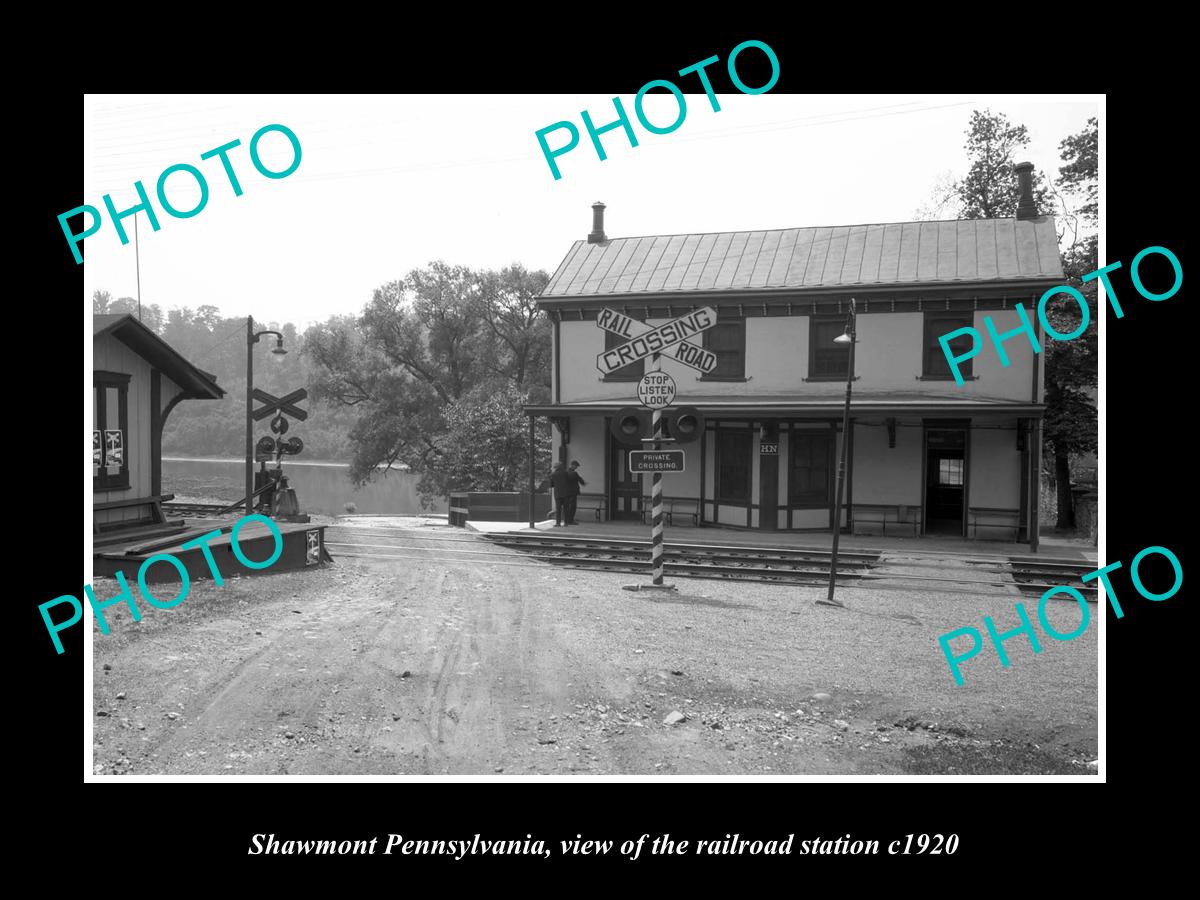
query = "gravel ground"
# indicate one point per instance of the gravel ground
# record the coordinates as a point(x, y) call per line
point(463, 664)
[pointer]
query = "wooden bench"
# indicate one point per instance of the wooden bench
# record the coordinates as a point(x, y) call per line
point(672, 506)
point(874, 518)
point(683, 506)
point(975, 513)
point(597, 503)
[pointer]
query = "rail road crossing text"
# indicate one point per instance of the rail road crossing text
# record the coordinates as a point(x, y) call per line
point(669, 339)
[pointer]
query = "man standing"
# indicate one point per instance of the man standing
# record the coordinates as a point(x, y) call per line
point(562, 483)
point(575, 481)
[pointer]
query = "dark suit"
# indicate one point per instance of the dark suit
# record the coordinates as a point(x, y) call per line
point(562, 484)
point(575, 482)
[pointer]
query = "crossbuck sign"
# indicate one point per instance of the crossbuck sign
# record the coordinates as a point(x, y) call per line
point(669, 339)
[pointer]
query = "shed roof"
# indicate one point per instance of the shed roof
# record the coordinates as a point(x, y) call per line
point(148, 345)
point(844, 256)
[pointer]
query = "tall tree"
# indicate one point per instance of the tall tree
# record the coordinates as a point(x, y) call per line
point(1071, 366)
point(485, 446)
point(507, 304)
point(429, 354)
point(1078, 174)
point(989, 190)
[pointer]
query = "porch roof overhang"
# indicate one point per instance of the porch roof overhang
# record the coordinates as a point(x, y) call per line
point(800, 406)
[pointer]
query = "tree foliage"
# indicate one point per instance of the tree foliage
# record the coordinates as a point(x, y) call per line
point(485, 446)
point(431, 353)
point(217, 345)
point(989, 190)
point(1080, 155)
point(1072, 366)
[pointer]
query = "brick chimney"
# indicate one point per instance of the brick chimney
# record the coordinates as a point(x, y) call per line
point(1026, 208)
point(597, 235)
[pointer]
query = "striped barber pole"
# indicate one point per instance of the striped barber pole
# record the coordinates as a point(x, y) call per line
point(656, 529)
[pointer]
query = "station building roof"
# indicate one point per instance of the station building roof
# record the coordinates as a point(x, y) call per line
point(962, 252)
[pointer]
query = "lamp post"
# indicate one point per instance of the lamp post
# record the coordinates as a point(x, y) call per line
point(848, 337)
point(277, 351)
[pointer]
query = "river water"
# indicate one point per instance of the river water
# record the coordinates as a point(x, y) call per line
point(321, 487)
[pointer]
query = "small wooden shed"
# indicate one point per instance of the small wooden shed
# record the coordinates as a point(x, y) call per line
point(137, 379)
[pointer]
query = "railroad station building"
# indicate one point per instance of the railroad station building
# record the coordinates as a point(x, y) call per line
point(926, 456)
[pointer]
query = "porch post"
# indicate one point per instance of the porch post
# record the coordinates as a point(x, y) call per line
point(532, 470)
point(1035, 483)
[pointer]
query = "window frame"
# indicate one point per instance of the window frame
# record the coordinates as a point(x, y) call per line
point(624, 373)
point(101, 382)
point(807, 499)
point(931, 350)
point(825, 319)
point(944, 470)
point(722, 498)
point(717, 375)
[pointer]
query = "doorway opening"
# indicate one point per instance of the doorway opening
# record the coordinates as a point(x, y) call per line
point(625, 488)
point(946, 481)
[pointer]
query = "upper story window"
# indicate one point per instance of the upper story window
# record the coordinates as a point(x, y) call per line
point(631, 372)
point(110, 431)
point(936, 366)
point(727, 341)
point(827, 360)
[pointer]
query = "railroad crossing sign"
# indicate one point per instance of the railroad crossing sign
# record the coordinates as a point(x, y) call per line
point(668, 339)
point(650, 461)
point(282, 404)
point(656, 390)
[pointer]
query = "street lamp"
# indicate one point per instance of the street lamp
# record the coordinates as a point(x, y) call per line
point(277, 352)
point(846, 338)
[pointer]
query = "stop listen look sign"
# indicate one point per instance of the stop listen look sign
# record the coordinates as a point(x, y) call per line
point(656, 390)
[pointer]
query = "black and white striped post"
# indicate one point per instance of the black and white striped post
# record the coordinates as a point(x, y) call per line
point(655, 441)
point(656, 520)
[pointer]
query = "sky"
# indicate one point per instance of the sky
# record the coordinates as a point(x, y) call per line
point(389, 183)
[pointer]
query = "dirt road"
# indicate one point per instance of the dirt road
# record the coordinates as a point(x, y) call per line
point(467, 662)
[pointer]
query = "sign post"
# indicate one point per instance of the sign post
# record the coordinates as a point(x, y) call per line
point(656, 391)
point(656, 528)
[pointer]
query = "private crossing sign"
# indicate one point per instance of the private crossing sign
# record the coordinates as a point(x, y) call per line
point(668, 339)
point(650, 461)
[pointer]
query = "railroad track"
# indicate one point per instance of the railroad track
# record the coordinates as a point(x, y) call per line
point(1031, 577)
point(858, 568)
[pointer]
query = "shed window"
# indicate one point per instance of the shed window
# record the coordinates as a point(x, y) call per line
point(110, 431)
